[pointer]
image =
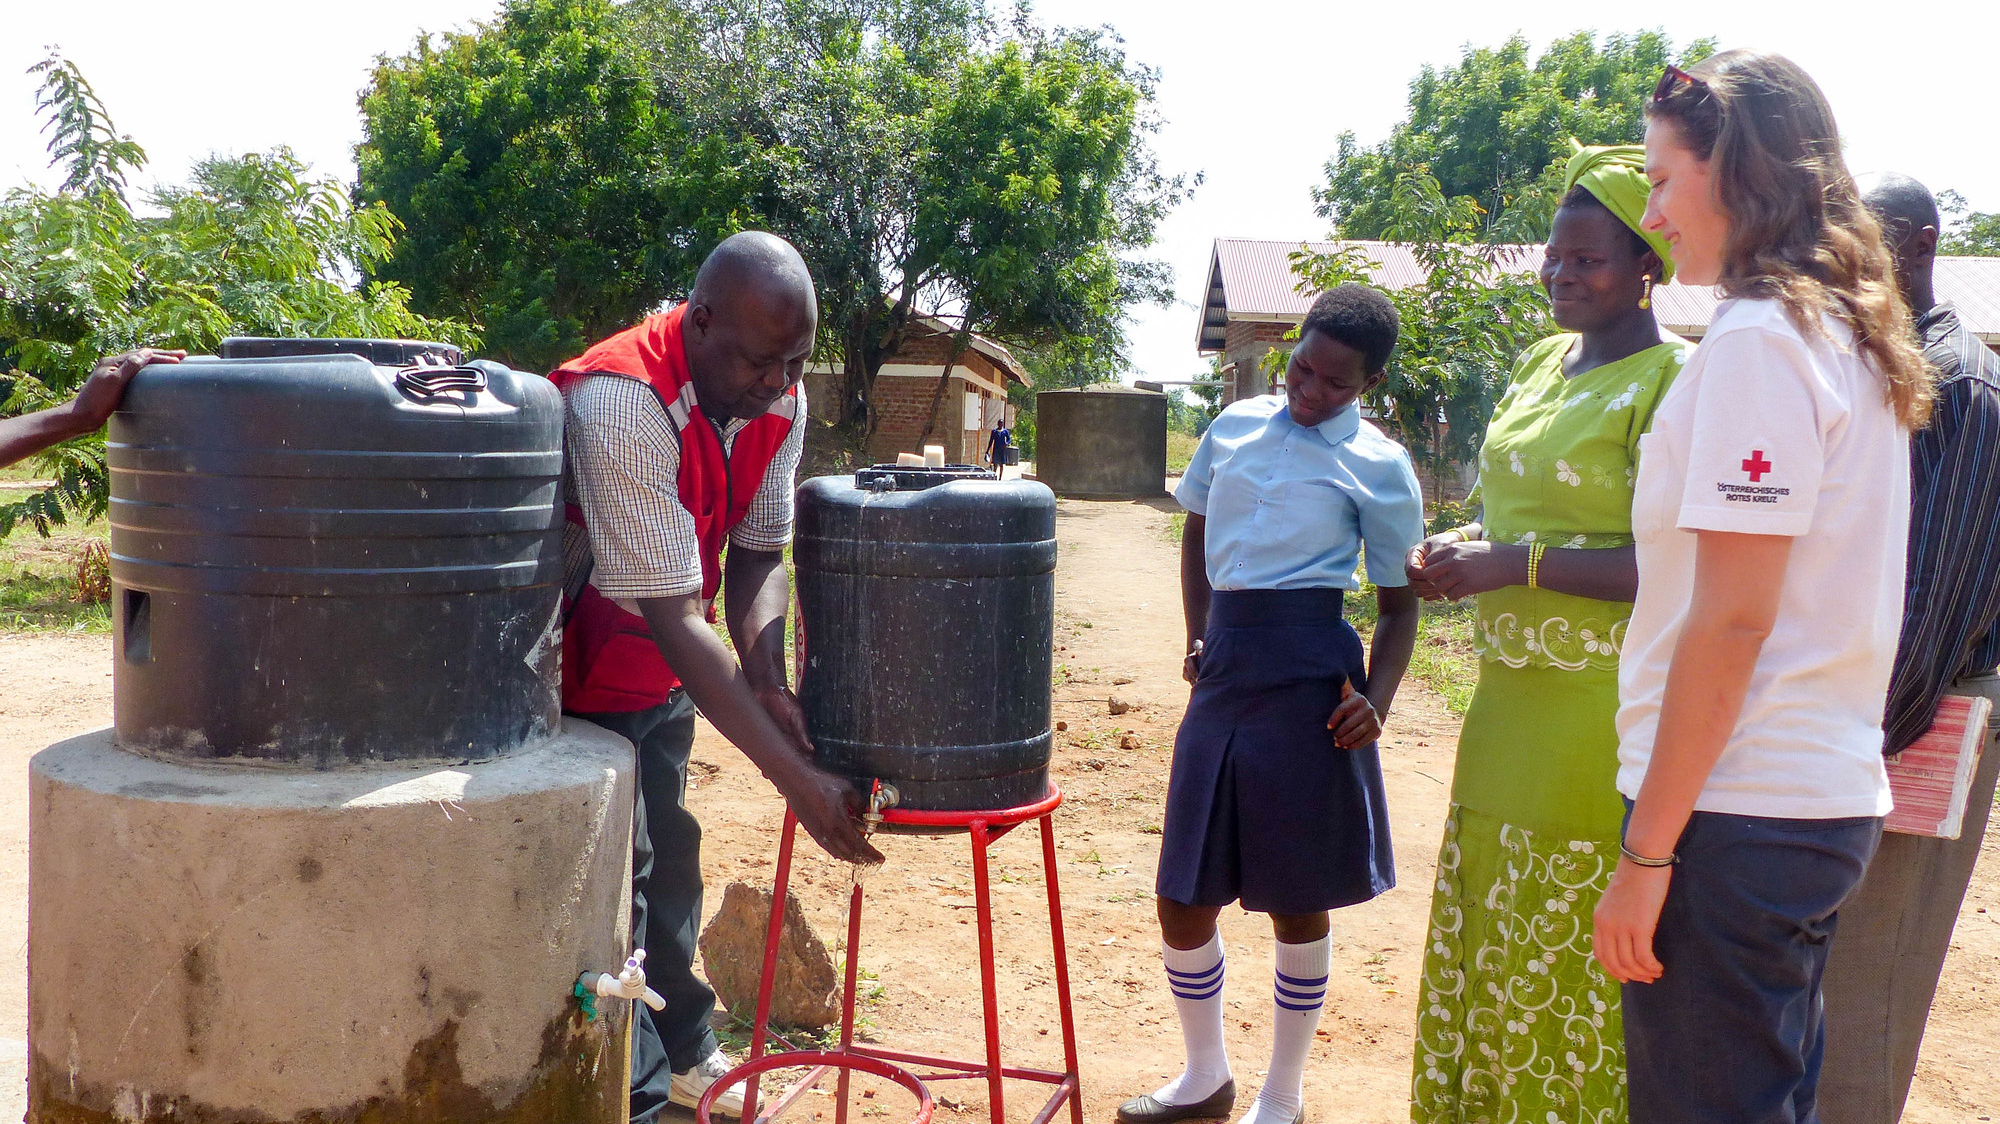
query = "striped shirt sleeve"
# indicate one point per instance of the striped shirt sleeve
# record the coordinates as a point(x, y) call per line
point(1952, 595)
point(768, 523)
point(624, 462)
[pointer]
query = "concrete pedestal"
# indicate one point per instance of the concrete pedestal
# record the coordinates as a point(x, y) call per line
point(221, 944)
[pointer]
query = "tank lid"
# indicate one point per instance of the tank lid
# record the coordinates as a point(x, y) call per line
point(895, 478)
point(382, 353)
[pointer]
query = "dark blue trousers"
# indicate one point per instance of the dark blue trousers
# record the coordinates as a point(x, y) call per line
point(1733, 1032)
point(666, 900)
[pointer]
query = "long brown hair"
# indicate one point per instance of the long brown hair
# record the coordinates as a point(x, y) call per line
point(1798, 232)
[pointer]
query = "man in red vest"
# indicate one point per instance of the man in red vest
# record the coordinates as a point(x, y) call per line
point(681, 435)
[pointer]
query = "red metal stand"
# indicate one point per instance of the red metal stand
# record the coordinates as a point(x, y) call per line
point(984, 827)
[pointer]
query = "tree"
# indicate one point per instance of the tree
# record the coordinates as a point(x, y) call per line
point(1462, 325)
point(249, 246)
point(1493, 129)
point(550, 195)
point(1966, 231)
point(932, 162)
point(1207, 392)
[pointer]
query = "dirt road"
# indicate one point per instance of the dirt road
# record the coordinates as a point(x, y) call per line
point(1118, 619)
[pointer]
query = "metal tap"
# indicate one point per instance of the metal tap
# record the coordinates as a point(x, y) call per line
point(880, 796)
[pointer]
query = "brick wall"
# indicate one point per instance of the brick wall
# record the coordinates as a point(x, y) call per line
point(1244, 343)
point(930, 351)
point(902, 402)
point(901, 405)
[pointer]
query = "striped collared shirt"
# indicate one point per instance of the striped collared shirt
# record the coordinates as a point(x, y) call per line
point(1951, 608)
point(621, 465)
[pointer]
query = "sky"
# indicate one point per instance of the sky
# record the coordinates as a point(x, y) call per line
point(1253, 95)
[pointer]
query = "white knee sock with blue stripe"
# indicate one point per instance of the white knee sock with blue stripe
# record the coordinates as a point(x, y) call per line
point(1195, 976)
point(1299, 994)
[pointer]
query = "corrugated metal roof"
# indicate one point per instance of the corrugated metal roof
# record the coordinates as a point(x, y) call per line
point(1251, 279)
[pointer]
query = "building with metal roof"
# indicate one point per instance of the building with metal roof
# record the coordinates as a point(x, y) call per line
point(1252, 298)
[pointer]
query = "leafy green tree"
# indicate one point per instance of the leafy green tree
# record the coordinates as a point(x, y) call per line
point(934, 162)
point(1462, 325)
point(1489, 129)
point(1968, 232)
point(551, 197)
point(249, 246)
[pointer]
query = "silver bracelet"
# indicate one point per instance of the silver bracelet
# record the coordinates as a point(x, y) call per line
point(1638, 859)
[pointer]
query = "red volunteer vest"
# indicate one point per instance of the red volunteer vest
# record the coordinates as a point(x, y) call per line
point(610, 662)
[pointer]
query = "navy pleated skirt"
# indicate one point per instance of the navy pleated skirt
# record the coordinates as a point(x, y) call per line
point(1263, 807)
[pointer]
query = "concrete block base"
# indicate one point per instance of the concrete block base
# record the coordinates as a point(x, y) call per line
point(221, 944)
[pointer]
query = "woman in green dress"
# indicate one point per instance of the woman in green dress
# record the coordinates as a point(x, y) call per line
point(1516, 1022)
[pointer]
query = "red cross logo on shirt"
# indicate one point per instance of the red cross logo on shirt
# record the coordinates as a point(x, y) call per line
point(1756, 466)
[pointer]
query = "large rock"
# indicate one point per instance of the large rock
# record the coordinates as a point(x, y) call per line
point(732, 953)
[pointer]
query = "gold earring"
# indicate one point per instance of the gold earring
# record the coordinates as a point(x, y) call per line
point(1646, 298)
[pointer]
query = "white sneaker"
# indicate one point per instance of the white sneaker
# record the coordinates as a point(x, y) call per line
point(688, 1086)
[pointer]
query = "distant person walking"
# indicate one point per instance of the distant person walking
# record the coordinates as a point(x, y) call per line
point(683, 435)
point(1532, 836)
point(1896, 928)
point(1275, 799)
point(1000, 444)
point(23, 436)
point(1772, 517)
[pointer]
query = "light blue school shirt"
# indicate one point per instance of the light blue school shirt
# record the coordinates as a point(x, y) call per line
point(1289, 506)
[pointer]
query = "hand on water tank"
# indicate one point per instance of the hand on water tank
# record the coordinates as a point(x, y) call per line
point(830, 811)
point(105, 388)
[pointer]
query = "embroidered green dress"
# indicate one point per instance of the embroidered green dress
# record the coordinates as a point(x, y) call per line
point(1516, 1023)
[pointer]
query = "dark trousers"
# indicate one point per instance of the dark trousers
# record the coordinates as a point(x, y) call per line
point(666, 900)
point(1894, 933)
point(1733, 1031)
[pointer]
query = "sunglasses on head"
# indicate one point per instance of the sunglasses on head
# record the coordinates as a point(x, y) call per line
point(1672, 79)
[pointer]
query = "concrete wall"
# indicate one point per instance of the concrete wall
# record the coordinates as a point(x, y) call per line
point(1105, 442)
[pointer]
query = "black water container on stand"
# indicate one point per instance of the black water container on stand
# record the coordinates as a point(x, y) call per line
point(335, 551)
point(927, 614)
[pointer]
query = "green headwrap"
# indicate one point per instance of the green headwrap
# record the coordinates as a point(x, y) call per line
point(1616, 175)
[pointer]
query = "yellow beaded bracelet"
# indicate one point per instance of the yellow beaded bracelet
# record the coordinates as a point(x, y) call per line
point(1535, 564)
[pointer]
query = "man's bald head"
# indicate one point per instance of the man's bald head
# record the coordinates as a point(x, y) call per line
point(750, 324)
point(1908, 213)
point(1898, 200)
point(754, 264)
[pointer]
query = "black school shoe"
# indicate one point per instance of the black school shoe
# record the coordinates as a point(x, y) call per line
point(1146, 1110)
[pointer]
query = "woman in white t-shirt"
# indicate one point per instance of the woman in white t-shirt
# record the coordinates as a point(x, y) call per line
point(1770, 515)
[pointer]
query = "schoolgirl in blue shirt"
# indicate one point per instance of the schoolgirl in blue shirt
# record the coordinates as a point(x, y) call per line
point(1276, 795)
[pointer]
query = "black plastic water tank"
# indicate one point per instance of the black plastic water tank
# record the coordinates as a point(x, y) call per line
point(320, 559)
point(927, 607)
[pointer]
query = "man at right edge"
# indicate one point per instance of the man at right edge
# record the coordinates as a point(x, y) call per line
point(1896, 927)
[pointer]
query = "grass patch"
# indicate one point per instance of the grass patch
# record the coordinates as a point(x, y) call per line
point(38, 590)
point(1177, 527)
point(1180, 450)
point(1443, 659)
